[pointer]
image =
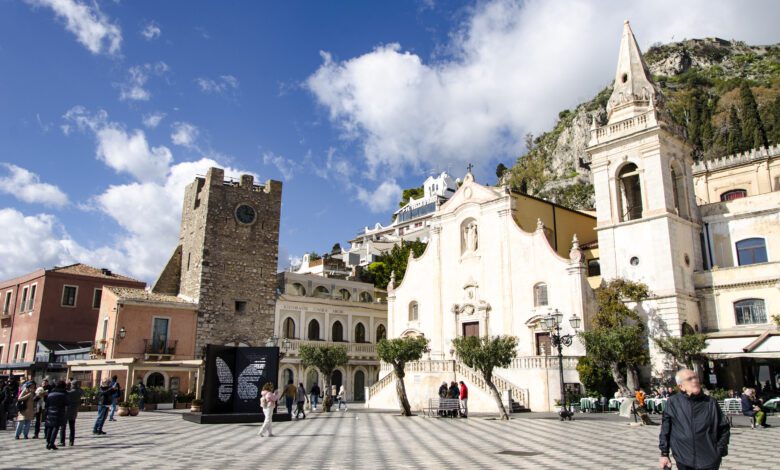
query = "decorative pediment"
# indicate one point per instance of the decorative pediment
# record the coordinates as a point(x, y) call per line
point(470, 192)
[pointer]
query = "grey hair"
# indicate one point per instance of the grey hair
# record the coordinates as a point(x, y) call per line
point(678, 376)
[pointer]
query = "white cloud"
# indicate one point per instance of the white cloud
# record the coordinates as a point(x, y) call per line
point(151, 31)
point(509, 69)
point(92, 28)
point(381, 199)
point(30, 242)
point(152, 120)
point(26, 186)
point(220, 85)
point(137, 76)
point(124, 151)
point(287, 167)
point(184, 134)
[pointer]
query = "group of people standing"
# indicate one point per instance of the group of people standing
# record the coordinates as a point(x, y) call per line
point(457, 392)
point(55, 405)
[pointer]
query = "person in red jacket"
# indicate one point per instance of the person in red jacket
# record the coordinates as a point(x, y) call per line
point(464, 399)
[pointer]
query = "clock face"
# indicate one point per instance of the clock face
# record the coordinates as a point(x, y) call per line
point(245, 214)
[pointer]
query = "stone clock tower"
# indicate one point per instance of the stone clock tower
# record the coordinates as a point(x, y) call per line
point(226, 259)
point(647, 219)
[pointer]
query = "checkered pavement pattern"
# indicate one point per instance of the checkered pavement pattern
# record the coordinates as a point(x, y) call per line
point(362, 439)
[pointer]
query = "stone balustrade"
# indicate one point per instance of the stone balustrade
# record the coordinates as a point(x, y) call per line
point(736, 159)
point(367, 350)
point(626, 126)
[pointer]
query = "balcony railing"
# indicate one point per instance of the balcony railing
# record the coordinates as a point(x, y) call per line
point(353, 349)
point(160, 348)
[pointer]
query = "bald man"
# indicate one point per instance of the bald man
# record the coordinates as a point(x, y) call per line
point(693, 428)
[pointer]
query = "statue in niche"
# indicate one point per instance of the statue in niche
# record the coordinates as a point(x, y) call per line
point(470, 238)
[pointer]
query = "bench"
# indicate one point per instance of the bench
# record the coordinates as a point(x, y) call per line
point(733, 408)
point(443, 407)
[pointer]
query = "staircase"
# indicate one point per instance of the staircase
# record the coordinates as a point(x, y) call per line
point(518, 396)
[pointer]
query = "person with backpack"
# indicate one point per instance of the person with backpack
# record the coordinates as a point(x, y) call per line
point(268, 400)
point(24, 406)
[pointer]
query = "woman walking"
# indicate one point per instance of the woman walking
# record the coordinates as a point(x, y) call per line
point(342, 398)
point(268, 401)
point(26, 410)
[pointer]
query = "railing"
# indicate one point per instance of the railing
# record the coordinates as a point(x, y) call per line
point(379, 385)
point(736, 159)
point(543, 362)
point(520, 395)
point(643, 121)
point(163, 348)
point(353, 349)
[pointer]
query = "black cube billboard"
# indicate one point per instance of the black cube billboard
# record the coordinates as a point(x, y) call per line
point(235, 376)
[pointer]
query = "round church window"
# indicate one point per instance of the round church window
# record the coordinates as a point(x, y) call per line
point(245, 214)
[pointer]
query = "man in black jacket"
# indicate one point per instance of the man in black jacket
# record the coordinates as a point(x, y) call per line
point(56, 413)
point(693, 427)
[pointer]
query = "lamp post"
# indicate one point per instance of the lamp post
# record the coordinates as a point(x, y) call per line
point(553, 324)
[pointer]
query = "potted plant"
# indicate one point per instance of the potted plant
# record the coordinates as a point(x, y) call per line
point(184, 400)
point(165, 401)
point(196, 405)
point(134, 399)
point(124, 408)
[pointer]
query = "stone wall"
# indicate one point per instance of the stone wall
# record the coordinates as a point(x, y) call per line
point(225, 261)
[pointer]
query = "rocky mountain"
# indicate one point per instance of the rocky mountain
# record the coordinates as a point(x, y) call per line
point(725, 93)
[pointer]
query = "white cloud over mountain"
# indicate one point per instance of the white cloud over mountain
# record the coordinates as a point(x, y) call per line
point(508, 70)
point(93, 29)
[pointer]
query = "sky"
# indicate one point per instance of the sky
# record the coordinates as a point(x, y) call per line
point(108, 109)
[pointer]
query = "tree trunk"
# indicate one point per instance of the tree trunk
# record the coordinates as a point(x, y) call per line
point(497, 397)
point(400, 391)
point(327, 402)
point(632, 379)
point(619, 379)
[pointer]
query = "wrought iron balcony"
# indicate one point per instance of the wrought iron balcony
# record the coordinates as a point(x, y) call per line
point(160, 348)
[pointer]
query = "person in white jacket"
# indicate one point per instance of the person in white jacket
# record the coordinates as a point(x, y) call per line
point(268, 400)
point(342, 398)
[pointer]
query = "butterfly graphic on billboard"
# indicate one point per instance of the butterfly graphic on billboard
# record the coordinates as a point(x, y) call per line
point(247, 380)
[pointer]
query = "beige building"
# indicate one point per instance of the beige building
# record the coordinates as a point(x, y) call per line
point(317, 310)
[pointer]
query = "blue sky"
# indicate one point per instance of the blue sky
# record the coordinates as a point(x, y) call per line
point(108, 109)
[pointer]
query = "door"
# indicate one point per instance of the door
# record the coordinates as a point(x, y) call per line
point(160, 335)
point(336, 379)
point(543, 344)
point(360, 383)
point(471, 329)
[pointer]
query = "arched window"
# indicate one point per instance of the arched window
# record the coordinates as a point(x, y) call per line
point(751, 251)
point(687, 329)
point(749, 311)
point(321, 292)
point(344, 294)
point(288, 376)
point(289, 328)
point(366, 297)
point(629, 193)
point(314, 330)
point(298, 289)
point(414, 311)
point(678, 190)
point(381, 333)
point(155, 379)
point(336, 379)
point(360, 333)
point(540, 295)
point(359, 393)
point(337, 332)
point(733, 194)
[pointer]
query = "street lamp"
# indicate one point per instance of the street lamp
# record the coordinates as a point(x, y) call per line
point(553, 322)
point(122, 333)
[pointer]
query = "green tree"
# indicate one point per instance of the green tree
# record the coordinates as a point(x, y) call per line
point(410, 193)
point(325, 359)
point(753, 133)
point(397, 352)
point(595, 377)
point(773, 114)
point(313, 256)
point(485, 354)
point(734, 143)
point(500, 170)
point(336, 250)
point(617, 337)
point(394, 260)
point(683, 349)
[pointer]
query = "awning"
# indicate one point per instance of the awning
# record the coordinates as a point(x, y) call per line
point(729, 348)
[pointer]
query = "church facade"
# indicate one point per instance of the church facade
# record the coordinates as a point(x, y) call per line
point(709, 252)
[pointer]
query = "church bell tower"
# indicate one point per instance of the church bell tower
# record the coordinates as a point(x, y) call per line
point(647, 220)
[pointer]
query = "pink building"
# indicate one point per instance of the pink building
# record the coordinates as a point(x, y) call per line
point(50, 315)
